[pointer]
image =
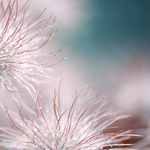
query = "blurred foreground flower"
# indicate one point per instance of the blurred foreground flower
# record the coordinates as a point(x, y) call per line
point(50, 125)
point(21, 37)
point(133, 95)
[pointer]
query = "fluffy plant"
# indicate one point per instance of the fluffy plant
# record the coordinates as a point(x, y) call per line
point(21, 37)
point(51, 125)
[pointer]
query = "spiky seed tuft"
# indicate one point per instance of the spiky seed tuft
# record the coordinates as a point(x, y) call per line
point(21, 37)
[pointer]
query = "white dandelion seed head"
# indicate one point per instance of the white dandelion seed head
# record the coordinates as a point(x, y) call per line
point(77, 127)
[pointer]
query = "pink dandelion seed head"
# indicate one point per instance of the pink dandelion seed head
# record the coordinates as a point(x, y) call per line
point(21, 37)
point(83, 125)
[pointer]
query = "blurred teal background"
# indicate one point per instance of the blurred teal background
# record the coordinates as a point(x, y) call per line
point(100, 37)
point(112, 27)
point(111, 33)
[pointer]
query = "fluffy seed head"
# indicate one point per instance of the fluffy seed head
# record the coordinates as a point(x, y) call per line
point(21, 37)
point(49, 125)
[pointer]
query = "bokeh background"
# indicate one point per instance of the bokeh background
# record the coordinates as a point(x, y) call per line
point(102, 39)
